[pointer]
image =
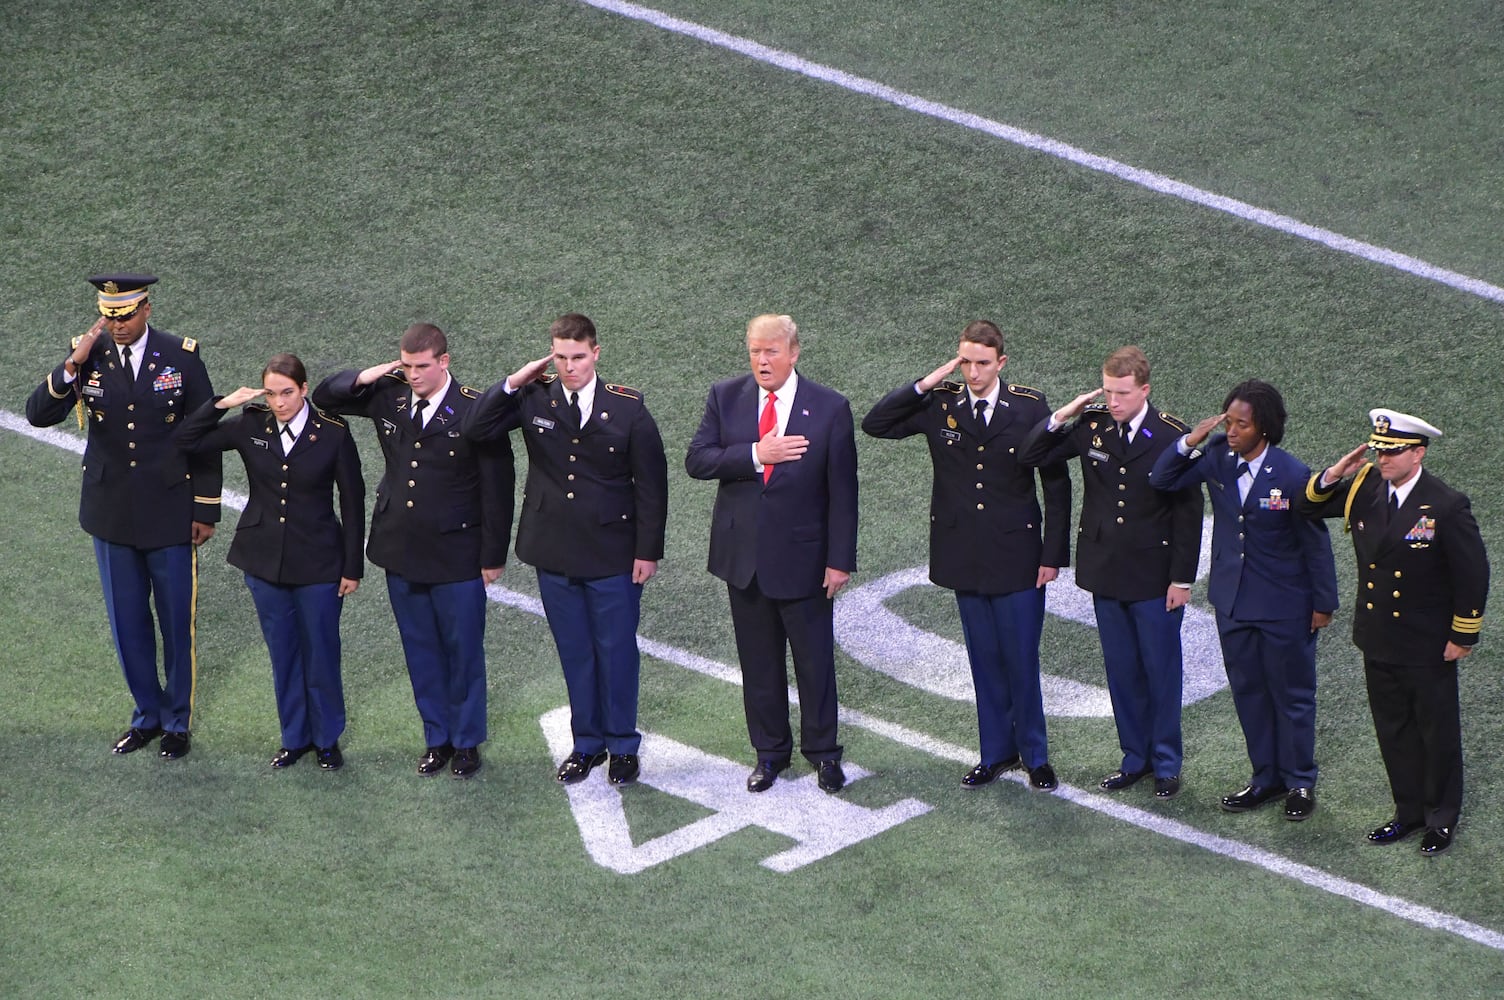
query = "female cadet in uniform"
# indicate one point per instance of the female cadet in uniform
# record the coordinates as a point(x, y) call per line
point(299, 559)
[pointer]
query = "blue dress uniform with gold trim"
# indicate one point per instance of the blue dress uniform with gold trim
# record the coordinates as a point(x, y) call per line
point(1422, 583)
point(1133, 542)
point(139, 500)
point(596, 500)
point(294, 551)
point(988, 539)
point(443, 511)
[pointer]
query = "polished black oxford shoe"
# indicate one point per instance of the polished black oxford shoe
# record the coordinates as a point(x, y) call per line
point(577, 766)
point(1167, 788)
point(174, 745)
point(1299, 804)
point(986, 774)
point(465, 763)
point(288, 756)
point(134, 739)
point(1043, 778)
point(624, 769)
point(1393, 832)
point(763, 776)
point(434, 759)
point(1118, 780)
point(1438, 839)
point(1252, 797)
point(829, 775)
point(330, 759)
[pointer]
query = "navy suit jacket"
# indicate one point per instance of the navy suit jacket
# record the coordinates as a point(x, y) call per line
point(784, 533)
point(1268, 562)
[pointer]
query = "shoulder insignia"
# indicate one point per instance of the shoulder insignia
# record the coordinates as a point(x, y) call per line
point(258, 408)
point(623, 390)
point(189, 344)
point(548, 377)
point(1095, 408)
point(1174, 421)
point(328, 417)
point(469, 393)
point(1024, 390)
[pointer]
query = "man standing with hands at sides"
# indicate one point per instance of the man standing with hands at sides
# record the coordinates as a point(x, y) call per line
point(443, 513)
point(1136, 552)
point(1273, 583)
point(988, 540)
point(593, 516)
point(146, 504)
point(1422, 584)
point(783, 537)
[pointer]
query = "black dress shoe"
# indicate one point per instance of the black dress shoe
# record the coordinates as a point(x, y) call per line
point(134, 739)
point(624, 769)
point(330, 759)
point(1438, 839)
point(1393, 832)
point(1043, 777)
point(1252, 797)
point(763, 776)
point(434, 759)
point(466, 762)
point(1300, 803)
point(1118, 780)
point(1167, 788)
point(287, 757)
point(174, 745)
point(829, 775)
point(986, 774)
point(577, 766)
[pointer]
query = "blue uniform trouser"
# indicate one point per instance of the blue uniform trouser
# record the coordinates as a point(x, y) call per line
point(301, 627)
point(443, 627)
point(594, 622)
point(1141, 653)
point(1271, 668)
point(133, 581)
point(1002, 641)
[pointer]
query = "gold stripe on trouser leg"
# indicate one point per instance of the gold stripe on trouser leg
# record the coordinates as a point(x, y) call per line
point(193, 642)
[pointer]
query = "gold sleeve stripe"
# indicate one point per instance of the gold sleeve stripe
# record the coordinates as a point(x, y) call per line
point(53, 392)
point(1313, 488)
point(208, 500)
point(1467, 626)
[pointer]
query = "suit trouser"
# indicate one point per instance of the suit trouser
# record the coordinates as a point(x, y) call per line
point(765, 627)
point(301, 628)
point(1418, 721)
point(1002, 642)
point(594, 622)
point(1271, 669)
point(1141, 653)
point(133, 581)
point(443, 629)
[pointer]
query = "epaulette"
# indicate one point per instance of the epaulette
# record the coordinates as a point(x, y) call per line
point(257, 408)
point(623, 390)
point(329, 417)
point(1174, 421)
point(1095, 408)
point(189, 344)
point(1025, 391)
point(469, 393)
point(548, 377)
point(948, 386)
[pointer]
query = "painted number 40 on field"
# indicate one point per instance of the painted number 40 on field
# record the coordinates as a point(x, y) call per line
point(819, 824)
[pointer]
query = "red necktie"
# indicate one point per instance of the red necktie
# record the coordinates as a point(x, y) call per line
point(765, 425)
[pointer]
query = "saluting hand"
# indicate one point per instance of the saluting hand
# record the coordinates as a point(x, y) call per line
point(530, 372)
point(239, 397)
point(1203, 430)
point(937, 376)
point(1070, 411)
point(375, 372)
point(775, 447)
point(86, 343)
point(1346, 465)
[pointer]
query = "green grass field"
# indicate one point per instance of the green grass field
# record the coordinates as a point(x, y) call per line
point(314, 176)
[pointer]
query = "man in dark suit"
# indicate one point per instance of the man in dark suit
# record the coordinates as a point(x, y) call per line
point(989, 541)
point(1422, 584)
point(443, 513)
point(1136, 552)
point(1273, 583)
point(147, 505)
point(783, 537)
point(593, 517)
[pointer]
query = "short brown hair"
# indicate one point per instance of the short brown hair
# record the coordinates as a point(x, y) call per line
point(573, 326)
point(288, 365)
point(421, 338)
point(1127, 361)
point(984, 332)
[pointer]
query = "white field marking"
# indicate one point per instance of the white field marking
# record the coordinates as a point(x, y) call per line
point(1053, 147)
point(1104, 804)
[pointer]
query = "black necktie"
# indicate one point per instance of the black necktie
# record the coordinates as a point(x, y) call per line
point(1123, 430)
point(574, 407)
point(982, 412)
point(125, 356)
point(292, 438)
point(1394, 506)
point(418, 405)
point(1242, 470)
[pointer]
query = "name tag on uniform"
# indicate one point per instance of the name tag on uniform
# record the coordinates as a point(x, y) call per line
point(94, 390)
point(951, 435)
point(259, 443)
point(543, 422)
point(1095, 454)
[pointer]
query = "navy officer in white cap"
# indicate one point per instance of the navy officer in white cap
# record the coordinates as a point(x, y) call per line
point(1422, 583)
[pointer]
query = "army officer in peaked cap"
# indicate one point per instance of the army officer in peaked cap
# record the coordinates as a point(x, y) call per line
point(1422, 582)
point(146, 504)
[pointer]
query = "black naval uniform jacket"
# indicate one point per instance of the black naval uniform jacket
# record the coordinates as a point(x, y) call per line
point(596, 497)
point(985, 520)
point(1422, 575)
point(139, 489)
point(288, 533)
point(1134, 540)
point(444, 504)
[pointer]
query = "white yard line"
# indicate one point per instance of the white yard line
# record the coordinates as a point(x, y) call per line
point(1052, 147)
point(1108, 806)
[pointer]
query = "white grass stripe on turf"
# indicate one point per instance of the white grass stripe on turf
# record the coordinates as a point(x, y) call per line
point(1099, 802)
point(1052, 147)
